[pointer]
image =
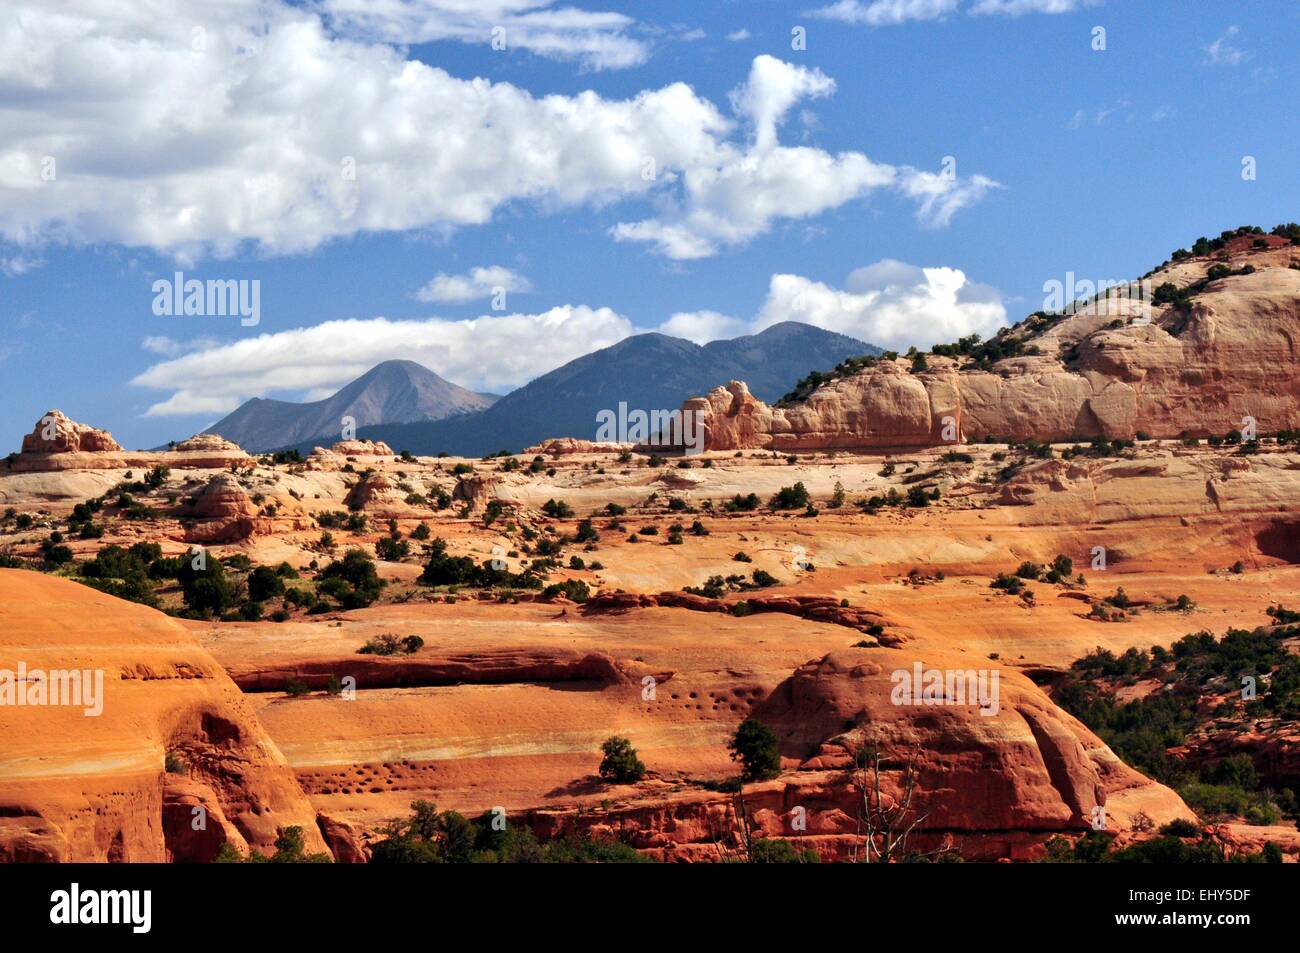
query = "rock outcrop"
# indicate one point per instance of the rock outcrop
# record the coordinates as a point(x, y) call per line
point(425, 668)
point(990, 787)
point(1019, 763)
point(58, 443)
point(55, 432)
point(565, 446)
point(1195, 369)
point(477, 489)
point(362, 448)
point(223, 513)
point(84, 788)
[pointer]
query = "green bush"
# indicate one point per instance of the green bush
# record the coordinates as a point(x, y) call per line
point(264, 583)
point(354, 580)
point(755, 747)
point(620, 764)
point(776, 850)
point(791, 497)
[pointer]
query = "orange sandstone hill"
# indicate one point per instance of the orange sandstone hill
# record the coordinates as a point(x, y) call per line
point(1216, 342)
point(95, 787)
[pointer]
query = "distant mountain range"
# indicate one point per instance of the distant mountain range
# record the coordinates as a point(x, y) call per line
point(393, 392)
point(647, 371)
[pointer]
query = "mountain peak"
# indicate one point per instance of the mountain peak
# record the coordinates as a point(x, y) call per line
point(394, 391)
point(650, 371)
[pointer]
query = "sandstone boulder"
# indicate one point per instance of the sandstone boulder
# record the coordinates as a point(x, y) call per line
point(223, 513)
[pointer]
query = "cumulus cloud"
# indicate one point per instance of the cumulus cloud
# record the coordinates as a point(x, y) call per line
point(478, 284)
point(596, 39)
point(199, 128)
point(489, 353)
point(740, 195)
point(891, 304)
point(703, 326)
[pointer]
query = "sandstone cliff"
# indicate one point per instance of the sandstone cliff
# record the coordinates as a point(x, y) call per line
point(1111, 369)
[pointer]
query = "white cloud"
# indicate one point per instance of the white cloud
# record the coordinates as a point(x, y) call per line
point(891, 304)
point(1222, 53)
point(735, 36)
point(478, 284)
point(739, 197)
point(885, 12)
point(489, 353)
point(942, 196)
point(598, 40)
point(703, 326)
point(199, 128)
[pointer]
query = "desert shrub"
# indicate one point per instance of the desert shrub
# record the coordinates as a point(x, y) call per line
point(746, 503)
point(208, 589)
point(777, 850)
point(574, 590)
point(1012, 584)
point(790, 497)
point(620, 764)
point(392, 550)
point(352, 580)
point(557, 509)
point(264, 583)
point(755, 746)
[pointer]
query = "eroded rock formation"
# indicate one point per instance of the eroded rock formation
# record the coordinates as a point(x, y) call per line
point(55, 432)
point(1195, 369)
point(224, 513)
point(96, 788)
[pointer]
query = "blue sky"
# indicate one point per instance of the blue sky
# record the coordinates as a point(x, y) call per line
point(207, 142)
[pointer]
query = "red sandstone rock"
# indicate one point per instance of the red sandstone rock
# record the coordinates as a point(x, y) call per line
point(343, 840)
point(224, 513)
point(78, 788)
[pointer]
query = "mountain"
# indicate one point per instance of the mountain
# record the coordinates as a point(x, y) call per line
point(391, 392)
point(646, 371)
